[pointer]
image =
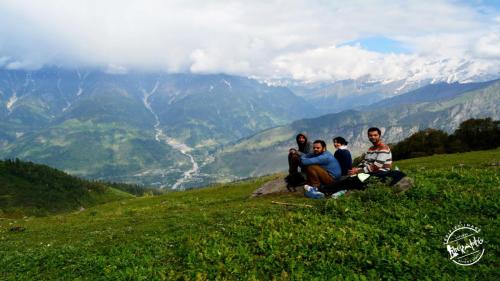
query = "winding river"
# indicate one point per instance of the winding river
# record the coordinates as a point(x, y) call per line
point(161, 136)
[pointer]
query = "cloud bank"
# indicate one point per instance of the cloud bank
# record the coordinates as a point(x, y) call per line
point(302, 40)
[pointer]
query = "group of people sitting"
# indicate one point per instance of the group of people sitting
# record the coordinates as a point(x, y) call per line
point(326, 173)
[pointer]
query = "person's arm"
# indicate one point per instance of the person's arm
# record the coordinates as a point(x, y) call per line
point(307, 160)
point(354, 171)
point(383, 162)
point(362, 168)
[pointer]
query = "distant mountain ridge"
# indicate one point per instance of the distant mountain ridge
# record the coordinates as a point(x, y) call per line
point(222, 107)
point(349, 94)
point(433, 93)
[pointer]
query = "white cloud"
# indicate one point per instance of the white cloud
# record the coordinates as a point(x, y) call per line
point(115, 69)
point(267, 39)
point(353, 62)
point(488, 45)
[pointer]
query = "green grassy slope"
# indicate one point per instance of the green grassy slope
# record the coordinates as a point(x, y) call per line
point(31, 189)
point(220, 233)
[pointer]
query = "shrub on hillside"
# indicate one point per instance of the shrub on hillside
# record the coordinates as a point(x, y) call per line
point(423, 143)
point(479, 134)
point(472, 134)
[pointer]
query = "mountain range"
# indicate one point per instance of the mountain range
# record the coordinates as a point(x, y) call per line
point(137, 127)
point(184, 130)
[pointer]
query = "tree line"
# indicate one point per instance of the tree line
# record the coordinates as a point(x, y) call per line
point(472, 134)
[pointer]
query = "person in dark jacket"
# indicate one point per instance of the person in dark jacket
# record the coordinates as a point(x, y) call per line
point(342, 154)
point(304, 147)
point(294, 177)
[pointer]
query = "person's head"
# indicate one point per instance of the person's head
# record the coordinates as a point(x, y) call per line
point(301, 139)
point(374, 135)
point(319, 146)
point(339, 141)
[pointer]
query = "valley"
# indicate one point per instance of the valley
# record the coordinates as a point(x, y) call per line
point(161, 136)
point(154, 129)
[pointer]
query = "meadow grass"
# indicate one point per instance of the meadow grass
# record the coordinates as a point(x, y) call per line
point(219, 233)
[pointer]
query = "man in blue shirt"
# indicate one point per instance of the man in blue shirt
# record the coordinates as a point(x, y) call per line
point(321, 167)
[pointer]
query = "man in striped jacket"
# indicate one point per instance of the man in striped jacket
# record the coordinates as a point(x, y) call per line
point(378, 160)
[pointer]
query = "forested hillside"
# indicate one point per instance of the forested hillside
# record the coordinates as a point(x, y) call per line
point(31, 189)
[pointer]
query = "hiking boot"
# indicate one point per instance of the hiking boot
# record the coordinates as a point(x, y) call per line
point(294, 180)
point(403, 184)
point(291, 188)
point(313, 192)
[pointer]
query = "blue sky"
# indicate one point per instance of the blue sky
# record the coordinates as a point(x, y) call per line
point(489, 3)
point(305, 40)
point(380, 44)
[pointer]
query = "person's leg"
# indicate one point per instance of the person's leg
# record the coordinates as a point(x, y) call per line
point(393, 176)
point(293, 163)
point(345, 183)
point(294, 177)
point(332, 188)
point(396, 176)
point(316, 176)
